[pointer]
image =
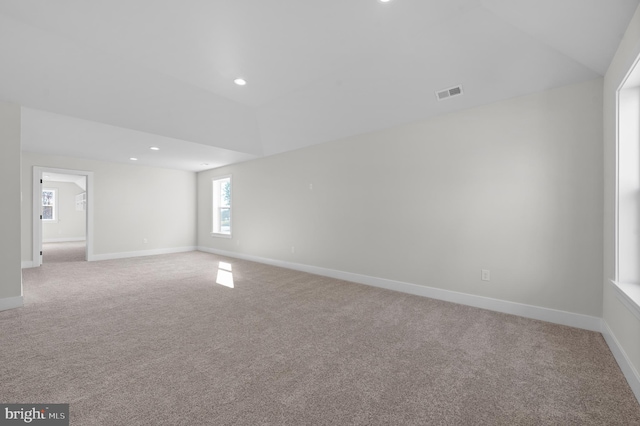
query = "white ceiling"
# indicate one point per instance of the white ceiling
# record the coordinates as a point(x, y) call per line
point(107, 79)
point(58, 177)
point(56, 134)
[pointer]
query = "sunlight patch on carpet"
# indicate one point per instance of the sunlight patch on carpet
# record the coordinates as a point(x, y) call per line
point(225, 275)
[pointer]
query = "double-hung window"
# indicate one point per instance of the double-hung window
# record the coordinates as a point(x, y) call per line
point(49, 205)
point(627, 281)
point(222, 206)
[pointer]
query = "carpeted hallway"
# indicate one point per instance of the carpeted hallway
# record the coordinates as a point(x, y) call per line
point(156, 341)
point(64, 252)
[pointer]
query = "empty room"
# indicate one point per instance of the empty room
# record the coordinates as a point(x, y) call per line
point(374, 212)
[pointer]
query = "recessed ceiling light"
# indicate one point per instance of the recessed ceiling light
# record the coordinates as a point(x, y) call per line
point(46, 177)
point(133, 159)
point(385, 1)
point(154, 148)
point(204, 164)
point(240, 81)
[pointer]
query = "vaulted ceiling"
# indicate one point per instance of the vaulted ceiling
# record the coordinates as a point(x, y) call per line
point(108, 79)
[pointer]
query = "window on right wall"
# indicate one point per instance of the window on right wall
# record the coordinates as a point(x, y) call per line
point(222, 206)
point(627, 280)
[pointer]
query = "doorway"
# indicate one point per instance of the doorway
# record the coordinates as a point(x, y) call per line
point(62, 215)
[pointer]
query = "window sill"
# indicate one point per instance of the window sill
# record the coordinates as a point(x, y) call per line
point(214, 234)
point(629, 295)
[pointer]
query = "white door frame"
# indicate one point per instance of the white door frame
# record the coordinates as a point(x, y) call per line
point(37, 210)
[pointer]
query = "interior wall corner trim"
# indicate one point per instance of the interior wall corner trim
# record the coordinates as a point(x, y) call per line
point(11, 303)
point(629, 371)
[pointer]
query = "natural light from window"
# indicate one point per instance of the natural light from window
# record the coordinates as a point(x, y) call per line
point(627, 280)
point(49, 210)
point(225, 275)
point(222, 206)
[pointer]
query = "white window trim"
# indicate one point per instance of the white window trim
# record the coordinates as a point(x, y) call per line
point(628, 293)
point(55, 205)
point(213, 182)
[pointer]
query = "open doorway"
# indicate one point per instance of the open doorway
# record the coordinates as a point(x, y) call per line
point(62, 215)
point(64, 220)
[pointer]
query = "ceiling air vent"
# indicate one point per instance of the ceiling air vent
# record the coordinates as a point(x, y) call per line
point(449, 93)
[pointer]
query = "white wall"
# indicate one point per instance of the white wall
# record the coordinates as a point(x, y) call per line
point(131, 203)
point(624, 326)
point(10, 272)
point(71, 223)
point(514, 187)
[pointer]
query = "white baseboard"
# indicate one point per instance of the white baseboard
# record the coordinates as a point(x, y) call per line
point(528, 311)
point(11, 303)
point(629, 371)
point(124, 255)
point(27, 264)
point(64, 240)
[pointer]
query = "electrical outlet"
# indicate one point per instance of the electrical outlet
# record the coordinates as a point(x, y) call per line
point(293, 249)
point(311, 186)
point(486, 275)
point(145, 241)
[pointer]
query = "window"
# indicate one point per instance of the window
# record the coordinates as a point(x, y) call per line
point(49, 205)
point(627, 281)
point(222, 206)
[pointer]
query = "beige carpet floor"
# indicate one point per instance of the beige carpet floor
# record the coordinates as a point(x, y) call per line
point(156, 341)
point(63, 252)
